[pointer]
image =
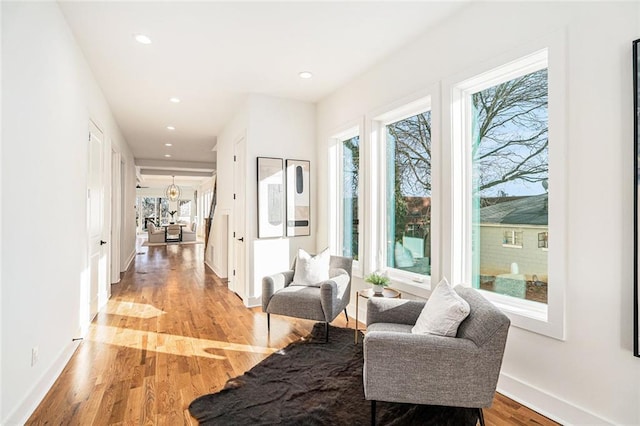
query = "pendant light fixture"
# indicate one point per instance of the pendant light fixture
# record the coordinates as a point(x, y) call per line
point(173, 191)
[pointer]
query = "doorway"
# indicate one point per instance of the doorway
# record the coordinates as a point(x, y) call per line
point(98, 257)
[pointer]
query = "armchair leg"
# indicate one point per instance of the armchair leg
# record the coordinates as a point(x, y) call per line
point(345, 315)
point(373, 412)
point(326, 332)
point(481, 416)
point(268, 323)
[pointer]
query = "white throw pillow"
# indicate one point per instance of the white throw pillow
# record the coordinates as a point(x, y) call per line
point(443, 312)
point(311, 270)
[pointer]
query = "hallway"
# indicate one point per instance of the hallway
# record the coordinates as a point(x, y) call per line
point(170, 333)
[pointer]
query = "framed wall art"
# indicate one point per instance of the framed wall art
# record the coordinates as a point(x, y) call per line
point(298, 198)
point(271, 212)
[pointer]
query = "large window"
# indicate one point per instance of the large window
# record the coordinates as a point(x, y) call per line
point(408, 194)
point(508, 134)
point(345, 177)
point(184, 211)
point(350, 197)
point(153, 208)
point(510, 144)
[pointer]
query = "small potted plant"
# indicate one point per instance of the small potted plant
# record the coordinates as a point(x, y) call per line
point(172, 213)
point(378, 281)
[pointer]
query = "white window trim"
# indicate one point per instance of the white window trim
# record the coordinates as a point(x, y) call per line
point(416, 284)
point(336, 204)
point(549, 319)
point(513, 238)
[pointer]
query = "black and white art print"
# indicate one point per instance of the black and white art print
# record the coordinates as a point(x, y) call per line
point(270, 197)
point(298, 198)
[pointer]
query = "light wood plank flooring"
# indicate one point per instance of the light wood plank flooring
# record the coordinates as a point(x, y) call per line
point(170, 333)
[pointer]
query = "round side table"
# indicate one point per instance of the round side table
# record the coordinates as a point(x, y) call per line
point(368, 293)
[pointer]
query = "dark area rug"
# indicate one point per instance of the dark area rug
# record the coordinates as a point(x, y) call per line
point(313, 383)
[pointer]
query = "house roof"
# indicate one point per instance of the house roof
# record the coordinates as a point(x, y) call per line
point(529, 210)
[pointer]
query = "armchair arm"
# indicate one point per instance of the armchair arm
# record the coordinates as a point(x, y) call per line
point(273, 283)
point(395, 311)
point(436, 370)
point(335, 294)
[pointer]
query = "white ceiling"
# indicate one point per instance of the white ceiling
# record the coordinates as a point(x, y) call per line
point(211, 55)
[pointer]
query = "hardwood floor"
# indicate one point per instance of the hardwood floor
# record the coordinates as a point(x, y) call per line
point(170, 333)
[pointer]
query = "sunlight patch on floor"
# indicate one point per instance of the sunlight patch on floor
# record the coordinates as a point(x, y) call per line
point(168, 343)
point(132, 309)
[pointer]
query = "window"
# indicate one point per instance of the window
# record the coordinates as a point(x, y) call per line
point(512, 239)
point(407, 192)
point(346, 200)
point(152, 208)
point(350, 197)
point(184, 211)
point(509, 149)
point(508, 126)
point(543, 240)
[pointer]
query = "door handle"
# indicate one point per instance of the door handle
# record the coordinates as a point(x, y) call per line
point(102, 242)
point(241, 239)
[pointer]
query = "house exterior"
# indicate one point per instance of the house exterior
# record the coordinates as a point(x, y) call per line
point(515, 232)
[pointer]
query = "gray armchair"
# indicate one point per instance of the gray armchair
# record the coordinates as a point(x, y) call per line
point(459, 371)
point(322, 303)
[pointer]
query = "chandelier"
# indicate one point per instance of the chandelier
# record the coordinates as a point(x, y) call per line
point(173, 191)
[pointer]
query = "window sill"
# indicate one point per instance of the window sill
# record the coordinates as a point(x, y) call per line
point(533, 310)
point(406, 284)
point(526, 314)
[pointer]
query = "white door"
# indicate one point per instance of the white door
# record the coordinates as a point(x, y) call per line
point(238, 279)
point(95, 221)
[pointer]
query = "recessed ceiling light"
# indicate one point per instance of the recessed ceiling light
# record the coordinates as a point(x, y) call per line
point(168, 144)
point(174, 100)
point(305, 74)
point(167, 155)
point(170, 128)
point(142, 39)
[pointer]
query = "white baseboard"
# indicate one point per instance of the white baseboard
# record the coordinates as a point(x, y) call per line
point(538, 400)
point(215, 270)
point(546, 404)
point(252, 302)
point(130, 260)
point(36, 394)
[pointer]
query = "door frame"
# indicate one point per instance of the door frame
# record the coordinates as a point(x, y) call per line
point(239, 187)
point(116, 217)
point(103, 284)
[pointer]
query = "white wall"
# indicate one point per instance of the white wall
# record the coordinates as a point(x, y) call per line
point(49, 95)
point(591, 377)
point(272, 127)
point(284, 129)
point(234, 130)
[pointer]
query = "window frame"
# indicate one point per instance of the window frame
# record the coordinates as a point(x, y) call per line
point(336, 197)
point(416, 284)
point(546, 319)
point(514, 233)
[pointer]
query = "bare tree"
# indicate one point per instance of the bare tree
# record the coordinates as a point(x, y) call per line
point(412, 154)
point(510, 138)
point(510, 143)
point(351, 168)
point(511, 134)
